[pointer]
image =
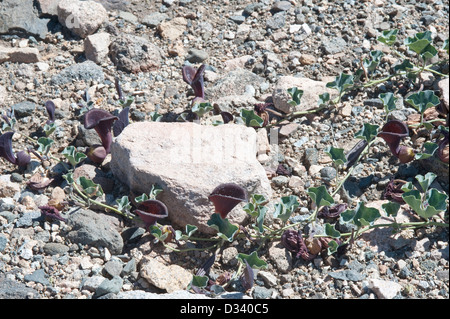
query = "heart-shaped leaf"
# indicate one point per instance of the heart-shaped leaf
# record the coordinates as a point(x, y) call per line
point(425, 181)
point(296, 95)
point(433, 204)
point(391, 208)
point(44, 145)
point(429, 149)
point(225, 229)
point(253, 260)
point(341, 82)
point(320, 196)
point(89, 187)
point(388, 37)
point(287, 206)
point(201, 108)
point(367, 132)
point(361, 216)
point(423, 100)
point(73, 156)
point(336, 154)
point(331, 231)
point(199, 281)
point(388, 100)
point(251, 118)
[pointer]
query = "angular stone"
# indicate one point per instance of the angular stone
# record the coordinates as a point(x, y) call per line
point(188, 161)
point(172, 29)
point(170, 278)
point(82, 18)
point(154, 18)
point(48, 7)
point(96, 47)
point(19, 55)
point(310, 98)
point(20, 16)
point(444, 89)
point(384, 289)
point(135, 54)
point(94, 229)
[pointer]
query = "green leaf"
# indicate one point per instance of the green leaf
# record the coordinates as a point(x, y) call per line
point(158, 233)
point(391, 208)
point(388, 37)
point(44, 145)
point(287, 206)
point(124, 204)
point(388, 100)
point(433, 204)
point(226, 230)
point(361, 216)
point(336, 154)
point(332, 247)
point(155, 117)
point(372, 64)
point(69, 177)
point(126, 103)
point(406, 65)
point(156, 189)
point(324, 98)
point(201, 108)
point(251, 118)
point(445, 45)
point(189, 230)
point(89, 187)
point(331, 231)
point(72, 155)
point(250, 209)
point(429, 149)
point(141, 198)
point(408, 186)
point(261, 213)
point(320, 196)
point(423, 100)
point(199, 281)
point(368, 132)
point(421, 44)
point(252, 260)
point(296, 95)
point(341, 82)
point(425, 181)
point(258, 199)
point(49, 128)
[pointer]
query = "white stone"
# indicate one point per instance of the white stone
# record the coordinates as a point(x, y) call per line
point(96, 47)
point(188, 161)
point(170, 278)
point(82, 18)
point(384, 289)
point(310, 98)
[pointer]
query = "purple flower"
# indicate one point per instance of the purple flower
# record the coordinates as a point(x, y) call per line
point(50, 213)
point(21, 159)
point(393, 191)
point(226, 196)
point(443, 147)
point(393, 132)
point(50, 107)
point(151, 210)
point(101, 121)
point(333, 211)
point(293, 241)
point(194, 77)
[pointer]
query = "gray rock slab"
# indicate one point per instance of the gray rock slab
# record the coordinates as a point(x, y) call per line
point(188, 161)
point(86, 71)
point(94, 229)
point(19, 16)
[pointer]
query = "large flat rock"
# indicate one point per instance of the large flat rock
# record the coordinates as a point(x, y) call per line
point(188, 161)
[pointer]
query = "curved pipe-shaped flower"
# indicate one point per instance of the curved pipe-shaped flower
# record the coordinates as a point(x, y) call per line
point(21, 159)
point(443, 147)
point(101, 121)
point(393, 132)
point(151, 210)
point(50, 107)
point(97, 154)
point(226, 196)
point(194, 77)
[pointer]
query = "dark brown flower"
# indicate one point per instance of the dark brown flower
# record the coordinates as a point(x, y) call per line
point(50, 213)
point(293, 241)
point(333, 211)
point(226, 196)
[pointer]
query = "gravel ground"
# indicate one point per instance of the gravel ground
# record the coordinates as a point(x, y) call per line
point(316, 39)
